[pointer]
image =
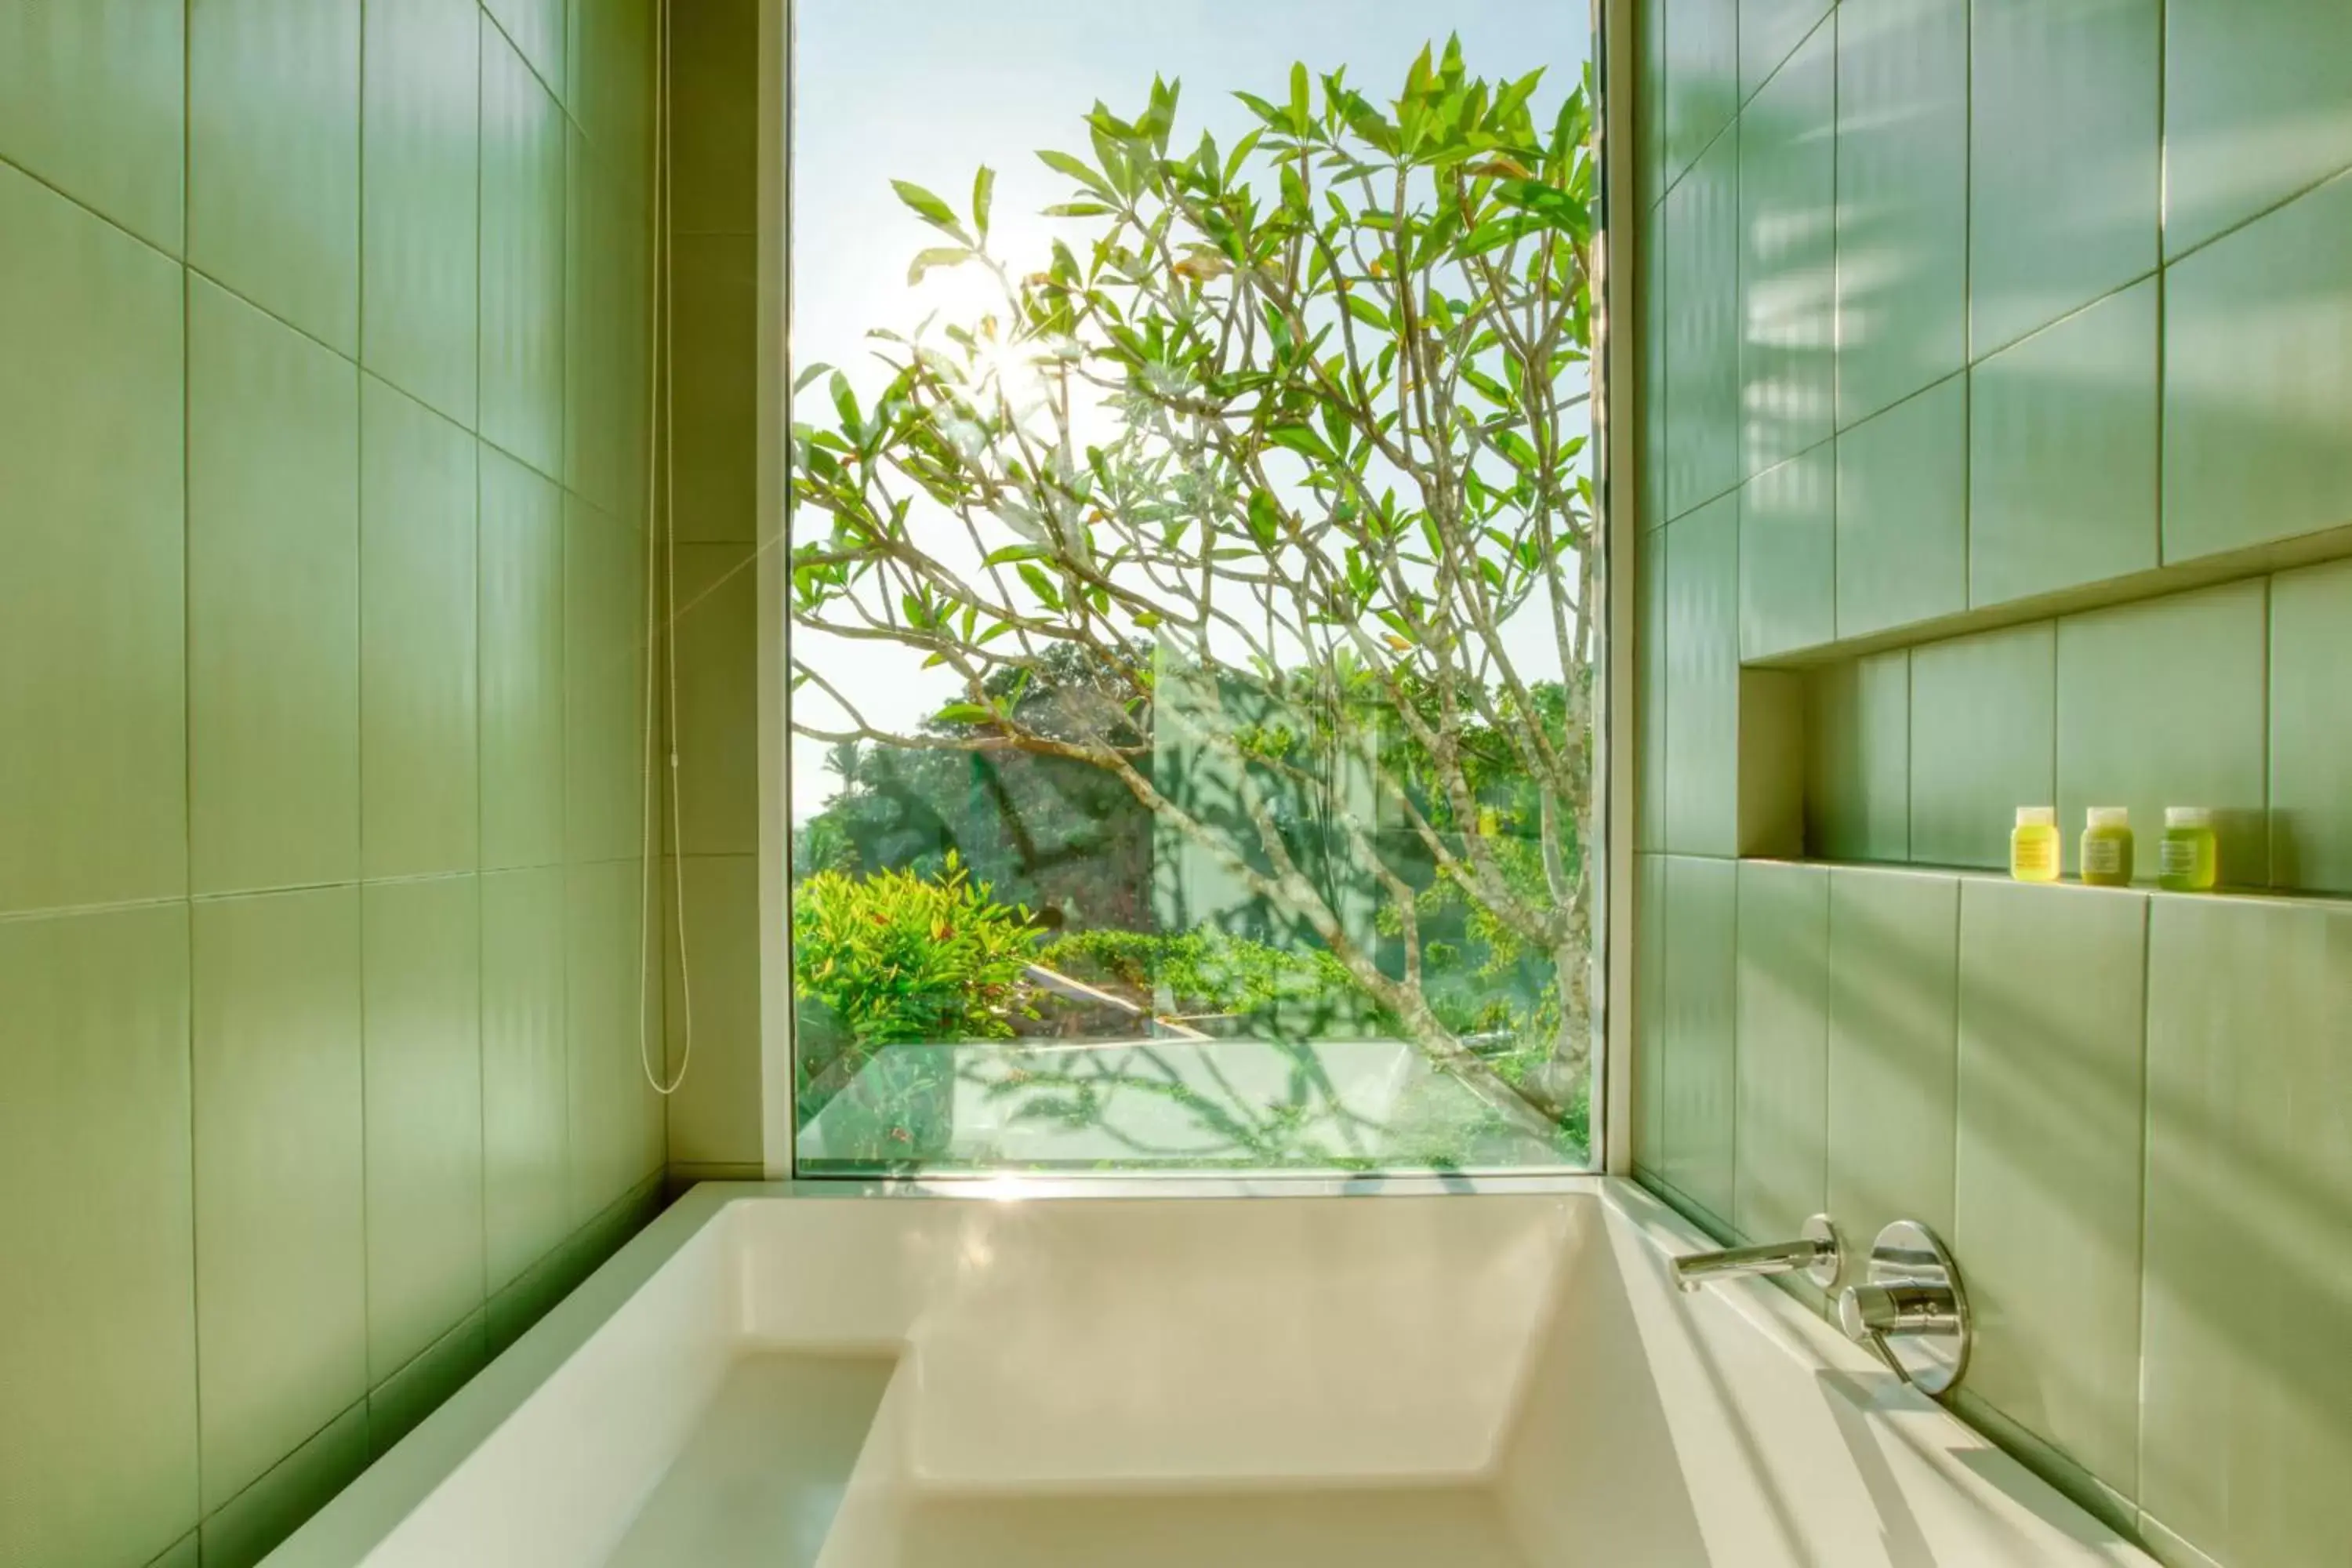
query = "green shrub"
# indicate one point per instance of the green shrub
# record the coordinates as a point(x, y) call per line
point(1208, 973)
point(898, 958)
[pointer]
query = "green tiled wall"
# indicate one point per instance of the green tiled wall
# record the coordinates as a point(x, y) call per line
point(2062, 453)
point(711, 879)
point(1781, 1017)
point(1986, 744)
point(1787, 252)
point(318, 1072)
point(1902, 200)
point(2052, 507)
point(1902, 512)
point(1858, 759)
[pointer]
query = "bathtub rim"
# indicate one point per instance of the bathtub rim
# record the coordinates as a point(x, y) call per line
point(365, 1514)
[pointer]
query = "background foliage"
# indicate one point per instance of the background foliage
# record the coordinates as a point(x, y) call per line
point(1253, 531)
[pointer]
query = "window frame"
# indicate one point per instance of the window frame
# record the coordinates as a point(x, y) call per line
point(1615, 485)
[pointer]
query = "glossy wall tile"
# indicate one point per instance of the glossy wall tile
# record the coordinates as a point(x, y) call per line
point(2063, 453)
point(421, 201)
point(1768, 31)
point(1701, 77)
point(119, 64)
point(2254, 109)
point(92, 462)
point(1702, 261)
point(2065, 106)
point(420, 783)
point(2311, 729)
point(2258, 381)
point(274, 158)
point(281, 1239)
point(1788, 258)
point(2082, 542)
point(1702, 680)
point(1902, 512)
point(1984, 739)
point(1788, 555)
point(2249, 1161)
point(292, 634)
point(1892, 975)
point(1781, 1021)
point(2047, 1168)
point(273, 602)
point(1902, 200)
point(100, 1447)
point(2125, 679)
point(422, 1010)
point(1858, 722)
point(1700, 1079)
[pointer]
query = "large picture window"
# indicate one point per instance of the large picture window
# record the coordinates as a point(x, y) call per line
point(1194, 600)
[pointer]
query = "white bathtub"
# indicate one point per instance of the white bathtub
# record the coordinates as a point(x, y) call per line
point(856, 1378)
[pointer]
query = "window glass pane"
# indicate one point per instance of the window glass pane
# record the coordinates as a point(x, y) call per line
point(1195, 617)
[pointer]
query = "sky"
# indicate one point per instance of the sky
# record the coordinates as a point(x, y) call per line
point(927, 89)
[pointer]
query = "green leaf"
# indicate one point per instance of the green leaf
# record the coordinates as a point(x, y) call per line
point(927, 207)
point(1075, 168)
point(1261, 108)
point(844, 403)
point(1301, 108)
point(1364, 310)
point(1239, 155)
point(802, 382)
point(938, 256)
point(964, 713)
point(1013, 552)
point(983, 189)
point(1369, 123)
point(1295, 202)
point(1498, 232)
point(1302, 439)
point(1041, 586)
point(1555, 206)
point(1079, 209)
point(1495, 391)
point(1264, 518)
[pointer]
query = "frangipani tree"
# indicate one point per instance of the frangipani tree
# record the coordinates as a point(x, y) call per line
point(1284, 446)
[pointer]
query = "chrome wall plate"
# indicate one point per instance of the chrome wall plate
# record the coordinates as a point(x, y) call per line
point(1913, 1309)
point(1825, 1268)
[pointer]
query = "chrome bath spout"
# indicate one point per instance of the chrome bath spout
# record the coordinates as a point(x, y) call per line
point(1816, 1254)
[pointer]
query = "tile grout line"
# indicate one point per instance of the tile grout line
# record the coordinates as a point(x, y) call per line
point(2147, 1162)
point(2312, 188)
point(1837, 341)
point(2163, 301)
point(1968, 329)
point(1952, 1194)
point(2272, 879)
point(198, 273)
point(359, 688)
point(206, 1515)
point(187, 741)
point(481, 835)
point(1967, 186)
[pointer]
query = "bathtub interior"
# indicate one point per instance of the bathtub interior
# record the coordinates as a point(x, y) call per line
point(1508, 1381)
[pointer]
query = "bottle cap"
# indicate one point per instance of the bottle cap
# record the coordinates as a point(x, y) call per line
point(2110, 816)
point(2188, 816)
point(2037, 816)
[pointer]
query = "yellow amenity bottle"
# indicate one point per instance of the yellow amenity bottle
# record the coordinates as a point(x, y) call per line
point(2190, 858)
point(2034, 847)
point(2107, 848)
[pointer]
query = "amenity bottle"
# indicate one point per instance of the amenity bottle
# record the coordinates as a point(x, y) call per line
point(2107, 848)
point(2190, 858)
point(2033, 847)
